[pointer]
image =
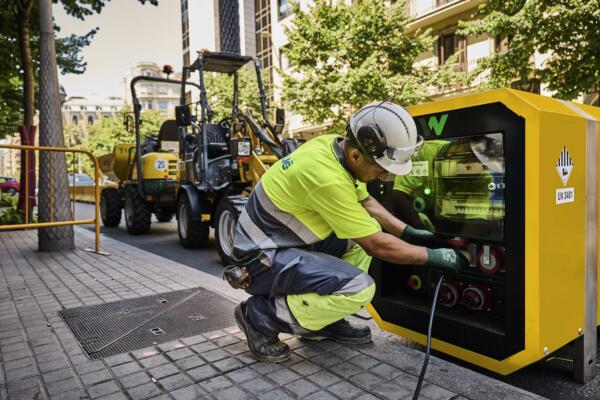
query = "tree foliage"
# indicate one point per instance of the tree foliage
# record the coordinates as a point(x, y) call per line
point(108, 132)
point(15, 69)
point(219, 89)
point(566, 31)
point(344, 56)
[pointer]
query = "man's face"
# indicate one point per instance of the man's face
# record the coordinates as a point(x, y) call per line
point(364, 168)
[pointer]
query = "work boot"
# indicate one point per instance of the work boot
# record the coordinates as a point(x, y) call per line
point(342, 331)
point(262, 347)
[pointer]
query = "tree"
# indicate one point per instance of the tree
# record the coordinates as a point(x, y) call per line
point(72, 135)
point(108, 132)
point(565, 31)
point(219, 88)
point(54, 199)
point(53, 178)
point(345, 56)
point(19, 48)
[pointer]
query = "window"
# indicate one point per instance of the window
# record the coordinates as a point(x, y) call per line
point(162, 89)
point(501, 43)
point(90, 120)
point(163, 105)
point(284, 62)
point(75, 120)
point(284, 8)
point(264, 50)
point(149, 105)
point(447, 45)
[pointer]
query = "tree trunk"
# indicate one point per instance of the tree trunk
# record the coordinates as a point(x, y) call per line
point(54, 200)
point(27, 130)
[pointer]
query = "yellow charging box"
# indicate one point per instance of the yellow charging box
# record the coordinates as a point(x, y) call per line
point(512, 177)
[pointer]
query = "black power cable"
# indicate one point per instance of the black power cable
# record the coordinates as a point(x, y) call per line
point(429, 327)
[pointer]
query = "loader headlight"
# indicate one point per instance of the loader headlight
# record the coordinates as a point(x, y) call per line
point(241, 147)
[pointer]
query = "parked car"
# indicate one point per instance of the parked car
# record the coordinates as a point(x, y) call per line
point(81, 187)
point(80, 180)
point(9, 185)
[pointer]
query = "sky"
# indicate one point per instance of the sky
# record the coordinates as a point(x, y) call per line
point(129, 32)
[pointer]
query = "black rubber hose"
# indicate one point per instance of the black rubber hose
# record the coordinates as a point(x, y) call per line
point(429, 327)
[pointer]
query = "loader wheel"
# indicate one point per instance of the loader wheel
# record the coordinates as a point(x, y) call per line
point(110, 207)
point(164, 216)
point(226, 217)
point(192, 233)
point(137, 212)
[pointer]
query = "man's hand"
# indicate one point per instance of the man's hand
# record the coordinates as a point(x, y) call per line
point(446, 260)
point(422, 237)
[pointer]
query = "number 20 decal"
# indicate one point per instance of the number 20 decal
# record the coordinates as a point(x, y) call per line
point(160, 164)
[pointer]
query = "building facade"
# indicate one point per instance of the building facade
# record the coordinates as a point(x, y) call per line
point(10, 160)
point(159, 96)
point(84, 112)
point(217, 25)
point(271, 17)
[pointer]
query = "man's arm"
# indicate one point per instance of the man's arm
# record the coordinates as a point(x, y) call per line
point(389, 248)
point(388, 222)
point(398, 228)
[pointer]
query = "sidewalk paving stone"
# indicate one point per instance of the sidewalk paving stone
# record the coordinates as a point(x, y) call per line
point(41, 358)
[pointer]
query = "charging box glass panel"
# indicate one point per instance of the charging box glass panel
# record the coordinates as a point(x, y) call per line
point(489, 177)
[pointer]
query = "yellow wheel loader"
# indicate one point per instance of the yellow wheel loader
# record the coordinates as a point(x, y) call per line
point(146, 172)
point(221, 162)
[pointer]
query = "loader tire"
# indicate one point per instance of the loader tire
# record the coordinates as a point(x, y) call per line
point(137, 212)
point(192, 233)
point(226, 216)
point(110, 207)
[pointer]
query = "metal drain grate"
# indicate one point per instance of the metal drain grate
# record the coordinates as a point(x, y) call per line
point(113, 328)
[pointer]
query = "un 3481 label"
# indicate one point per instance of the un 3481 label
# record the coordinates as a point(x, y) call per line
point(566, 195)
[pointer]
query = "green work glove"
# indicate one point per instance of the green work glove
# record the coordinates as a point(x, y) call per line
point(446, 260)
point(422, 237)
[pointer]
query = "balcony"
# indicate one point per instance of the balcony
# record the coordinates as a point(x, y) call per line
point(439, 13)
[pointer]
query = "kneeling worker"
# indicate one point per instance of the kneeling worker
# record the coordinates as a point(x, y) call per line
point(309, 230)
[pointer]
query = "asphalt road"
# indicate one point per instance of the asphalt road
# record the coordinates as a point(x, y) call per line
point(550, 378)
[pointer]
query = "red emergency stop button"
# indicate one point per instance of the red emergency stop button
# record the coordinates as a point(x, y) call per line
point(414, 282)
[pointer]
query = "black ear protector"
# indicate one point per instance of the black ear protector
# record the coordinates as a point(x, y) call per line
point(369, 140)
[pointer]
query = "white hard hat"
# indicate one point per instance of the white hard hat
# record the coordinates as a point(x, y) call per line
point(386, 132)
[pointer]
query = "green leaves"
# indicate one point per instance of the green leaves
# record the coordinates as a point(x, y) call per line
point(108, 132)
point(68, 52)
point(345, 56)
point(219, 89)
point(565, 32)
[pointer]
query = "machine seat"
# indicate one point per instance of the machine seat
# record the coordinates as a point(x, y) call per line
point(217, 140)
point(168, 136)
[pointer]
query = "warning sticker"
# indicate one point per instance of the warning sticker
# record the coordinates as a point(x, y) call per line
point(564, 166)
point(566, 195)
